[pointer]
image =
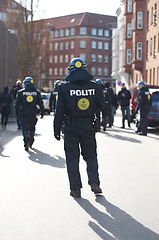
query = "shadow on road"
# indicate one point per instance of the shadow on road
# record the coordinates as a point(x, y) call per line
point(44, 158)
point(115, 221)
point(114, 134)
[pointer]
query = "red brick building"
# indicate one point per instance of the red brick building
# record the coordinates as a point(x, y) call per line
point(85, 35)
point(152, 63)
point(134, 40)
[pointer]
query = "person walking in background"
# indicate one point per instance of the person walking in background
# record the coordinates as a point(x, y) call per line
point(114, 105)
point(17, 112)
point(144, 106)
point(124, 97)
point(6, 100)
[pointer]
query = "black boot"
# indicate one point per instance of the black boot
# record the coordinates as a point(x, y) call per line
point(76, 193)
point(95, 188)
point(26, 143)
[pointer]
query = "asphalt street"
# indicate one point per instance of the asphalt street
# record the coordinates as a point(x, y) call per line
point(34, 191)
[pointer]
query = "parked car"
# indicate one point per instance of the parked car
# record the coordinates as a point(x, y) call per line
point(133, 102)
point(153, 116)
point(45, 98)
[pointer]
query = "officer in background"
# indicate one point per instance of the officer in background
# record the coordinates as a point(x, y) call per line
point(144, 106)
point(79, 98)
point(17, 112)
point(109, 103)
point(98, 113)
point(27, 100)
point(53, 96)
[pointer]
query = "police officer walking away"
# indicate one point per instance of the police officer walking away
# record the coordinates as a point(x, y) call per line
point(27, 100)
point(144, 106)
point(53, 96)
point(79, 98)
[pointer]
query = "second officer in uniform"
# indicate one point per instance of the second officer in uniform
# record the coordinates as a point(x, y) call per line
point(27, 100)
point(79, 98)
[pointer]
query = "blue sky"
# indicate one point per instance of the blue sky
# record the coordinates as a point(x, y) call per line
point(48, 8)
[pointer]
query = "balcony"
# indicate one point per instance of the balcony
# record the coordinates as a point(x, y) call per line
point(137, 65)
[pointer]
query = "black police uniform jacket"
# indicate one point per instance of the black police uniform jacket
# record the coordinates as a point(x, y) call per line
point(28, 98)
point(144, 99)
point(79, 98)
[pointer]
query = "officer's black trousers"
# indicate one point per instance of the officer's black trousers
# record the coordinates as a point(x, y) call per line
point(28, 125)
point(80, 136)
point(143, 121)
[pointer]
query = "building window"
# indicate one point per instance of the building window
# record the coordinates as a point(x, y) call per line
point(155, 14)
point(100, 45)
point(106, 58)
point(44, 41)
point(93, 71)
point(106, 33)
point(61, 45)
point(72, 56)
point(72, 44)
point(129, 30)
point(50, 47)
point(51, 34)
point(151, 46)
point(14, 18)
point(105, 72)
point(66, 58)
point(66, 45)
point(83, 30)
point(154, 45)
point(73, 31)
point(93, 31)
point(67, 32)
point(13, 5)
point(93, 45)
point(152, 15)
point(106, 46)
point(61, 71)
point(3, 17)
point(56, 33)
point(55, 59)
point(154, 75)
point(99, 71)
point(61, 58)
point(56, 46)
point(129, 6)
point(82, 44)
point(93, 58)
point(61, 32)
point(50, 59)
point(157, 76)
point(83, 56)
point(66, 71)
point(100, 32)
point(55, 71)
point(139, 20)
point(128, 56)
point(139, 51)
point(99, 58)
point(50, 71)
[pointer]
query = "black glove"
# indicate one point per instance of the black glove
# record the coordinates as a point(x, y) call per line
point(57, 136)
